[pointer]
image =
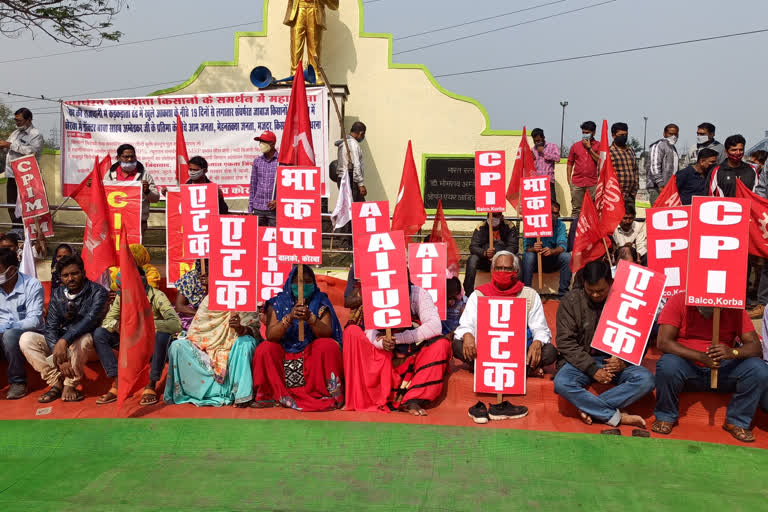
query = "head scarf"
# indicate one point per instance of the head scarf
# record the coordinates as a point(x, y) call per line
point(55, 275)
point(283, 304)
point(141, 257)
point(190, 287)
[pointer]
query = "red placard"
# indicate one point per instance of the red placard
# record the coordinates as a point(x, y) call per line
point(272, 272)
point(490, 181)
point(298, 215)
point(46, 224)
point(719, 242)
point(383, 277)
point(667, 230)
point(427, 263)
point(627, 318)
point(31, 188)
point(199, 203)
point(233, 280)
point(124, 203)
point(536, 206)
point(500, 363)
point(175, 265)
point(368, 218)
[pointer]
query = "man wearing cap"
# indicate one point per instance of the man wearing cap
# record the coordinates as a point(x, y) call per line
point(261, 201)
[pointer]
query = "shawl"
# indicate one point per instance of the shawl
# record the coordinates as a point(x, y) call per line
point(190, 287)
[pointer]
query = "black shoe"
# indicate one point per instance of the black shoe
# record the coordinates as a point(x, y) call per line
point(507, 411)
point(479, 413)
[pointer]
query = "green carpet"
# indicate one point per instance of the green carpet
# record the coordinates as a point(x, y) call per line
point(217, 465)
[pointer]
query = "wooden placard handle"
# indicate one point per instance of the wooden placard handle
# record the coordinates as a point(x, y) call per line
point(300, 282)
point(715, 341)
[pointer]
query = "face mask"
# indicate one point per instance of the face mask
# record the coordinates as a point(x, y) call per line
point(586, 136)
point(361, 139)
point(672, 140)
point(702, 139)
point(264, 147)
point(196, 175)
point(736, 157)
point(128, 166)
point(504, 280)
point(621, 140)
point(7, 275)
point(309, 289)
point(496, 221)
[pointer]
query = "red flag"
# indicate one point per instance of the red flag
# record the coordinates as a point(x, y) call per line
point(758, 223)
point(137, 327)
point(77, 194)
point(409, 213)
point(525, 167)
point(588, 245)
point(669, 197)
point(182, 158)
point(98, 245)
point(441, 233)
point(296, 145)
point(609, 200)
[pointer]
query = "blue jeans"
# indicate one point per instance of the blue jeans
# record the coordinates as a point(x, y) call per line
point(12, 352)
point(747, 379)
point(633, 383)
point(104, 342)
point(559, 262)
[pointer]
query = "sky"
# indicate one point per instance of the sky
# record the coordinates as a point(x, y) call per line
point(720, 81)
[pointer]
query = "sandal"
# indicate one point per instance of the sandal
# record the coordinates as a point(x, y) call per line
point(611, 432)
point(740, 434)
point(108, 398)
point(663, 427)
point(148, 397)
point(50, 395)
point(79, 397)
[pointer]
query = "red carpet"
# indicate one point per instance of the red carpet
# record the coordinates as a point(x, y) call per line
point(701, 414)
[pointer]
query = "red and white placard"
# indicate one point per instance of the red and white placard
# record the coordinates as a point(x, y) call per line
point(175, 264)
point(501, 331)
point(272, 272)
point(667, 230)
point(298, 215)
point(536, 206)
point(233, 281)
point(383, 277)
point(368, 218)
point(719, 242)
point(490, 181)
point(200, 203)
point(46, 225)
point(427, 263)
point(124, 202)
point(627, 318)
point(31, 188)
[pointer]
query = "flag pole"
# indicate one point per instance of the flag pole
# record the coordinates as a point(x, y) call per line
point(538, 255)
point(490, 231)
point(300, 282)
point(499, 397)
point(607, 252)
point(715, 341)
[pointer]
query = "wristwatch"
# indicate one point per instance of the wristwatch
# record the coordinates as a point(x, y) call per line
point(735, 353)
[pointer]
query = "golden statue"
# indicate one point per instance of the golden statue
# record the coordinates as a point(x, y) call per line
point(307, 21)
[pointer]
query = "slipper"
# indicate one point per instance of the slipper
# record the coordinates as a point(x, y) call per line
point(611, 432)
point(50, 395)
point(148, 397)
point(108, 398)
point(262, 404)
point(639, 432)
point(79, 397)
point(740, 434)
point(662, 427)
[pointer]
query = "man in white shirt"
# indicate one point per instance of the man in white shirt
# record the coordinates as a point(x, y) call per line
point(630, 233)
point(354, 165)
point(25, 140)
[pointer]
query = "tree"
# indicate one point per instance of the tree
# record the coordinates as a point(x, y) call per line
point(636, 145)
point(74, 22)
point(7, 126)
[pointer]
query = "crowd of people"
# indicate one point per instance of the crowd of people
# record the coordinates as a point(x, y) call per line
point(296, 353)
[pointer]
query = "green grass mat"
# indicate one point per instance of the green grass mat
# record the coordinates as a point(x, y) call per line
point(217, 465)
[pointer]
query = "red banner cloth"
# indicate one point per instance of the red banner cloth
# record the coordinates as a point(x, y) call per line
point(667, 230)
point(441, 234)
point(299, 224)
point(536, 207)
point(383, 277)
point(500, 363)
point(200, 204)
point(233, 281)
point(588, 244)
point(525, 167)
point(409, 214)
point(296, 145)
point(31, 188)
point(490, 179)
point(124, 203)
point(609, 201)
point(427, 263)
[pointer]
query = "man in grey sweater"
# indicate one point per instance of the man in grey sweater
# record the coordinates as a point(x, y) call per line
point(663, 162)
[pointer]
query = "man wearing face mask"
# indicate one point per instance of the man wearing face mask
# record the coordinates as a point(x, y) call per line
point(663, 162)
point(505, 238)
point(198, 175)
point(261, 201)
point(579, 365)
point(722, 179)
point(554, 254)
point(685, 338)
point(582, 166)
point(692, 181)
point(355, 165)
point(758, 159)
point(540, 352)
point(21, 310)
point(25, 140)
point(624, 162)
point(705, 138)
point(129, 169)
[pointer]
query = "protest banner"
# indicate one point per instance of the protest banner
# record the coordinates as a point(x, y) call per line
point(124, 202)
point(219, 126)
point(427, 263)
point(175, 264)
point(383, 277)
point(667, 231)
point(368, 218)
point(627, 318)
point(200, 203)
point(233, 280)
point(490, 181)
point(536, 209)
point(30, 185)
point(298, 215)
point(272, 272)
point(44, 223)
point(501, 337)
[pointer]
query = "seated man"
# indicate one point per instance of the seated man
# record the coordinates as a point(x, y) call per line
point(553, 253)
point(540, 353)
point(75, 311)
point(21, 310)
point(505, 238)
point(404, 372)
point(630, 233)
point(107, 337)
point(455, 303)
point(579, 365)
point(685, 337)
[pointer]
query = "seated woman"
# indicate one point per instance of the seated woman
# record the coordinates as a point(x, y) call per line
point(299, 374)
point(190, 293)
point(141, 257)
point(61, 252)
point(405, 372)
point(211, 366)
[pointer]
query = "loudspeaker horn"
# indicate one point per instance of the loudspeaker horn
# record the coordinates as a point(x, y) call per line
point(261, 77)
